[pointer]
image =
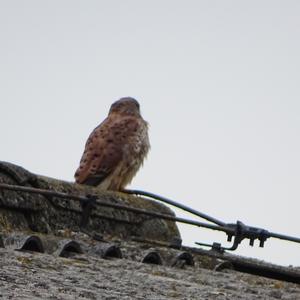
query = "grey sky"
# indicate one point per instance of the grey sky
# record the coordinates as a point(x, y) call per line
point(218, 82)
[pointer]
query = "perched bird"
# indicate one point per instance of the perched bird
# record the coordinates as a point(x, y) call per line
point(116, 149)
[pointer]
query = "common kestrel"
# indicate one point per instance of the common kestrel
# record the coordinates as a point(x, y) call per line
point(116, 149)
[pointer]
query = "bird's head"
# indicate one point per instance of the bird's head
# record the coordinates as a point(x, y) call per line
point(126, 106)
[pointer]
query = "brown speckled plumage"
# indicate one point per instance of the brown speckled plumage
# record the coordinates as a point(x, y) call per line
point(116, 149)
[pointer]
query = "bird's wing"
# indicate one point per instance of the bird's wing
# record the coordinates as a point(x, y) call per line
point(103, 150)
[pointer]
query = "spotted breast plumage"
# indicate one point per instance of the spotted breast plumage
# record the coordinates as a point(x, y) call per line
point(116, 149)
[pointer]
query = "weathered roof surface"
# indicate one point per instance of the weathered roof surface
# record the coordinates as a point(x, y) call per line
point(46, 213)
point(44, 253)
point(25, 275)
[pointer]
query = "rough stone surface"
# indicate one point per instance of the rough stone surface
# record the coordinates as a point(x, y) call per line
point(70, 264)
point(45, 214)
point(26, 275)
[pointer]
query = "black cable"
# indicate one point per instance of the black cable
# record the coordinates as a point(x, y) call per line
point(249, 232)
point(176, 204)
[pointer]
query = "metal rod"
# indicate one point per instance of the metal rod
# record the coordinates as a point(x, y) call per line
point(176, 204)
point(284, 237)
point(227, 228)
point(114, 205)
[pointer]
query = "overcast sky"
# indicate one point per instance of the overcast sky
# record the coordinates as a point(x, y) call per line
point(218, 81)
